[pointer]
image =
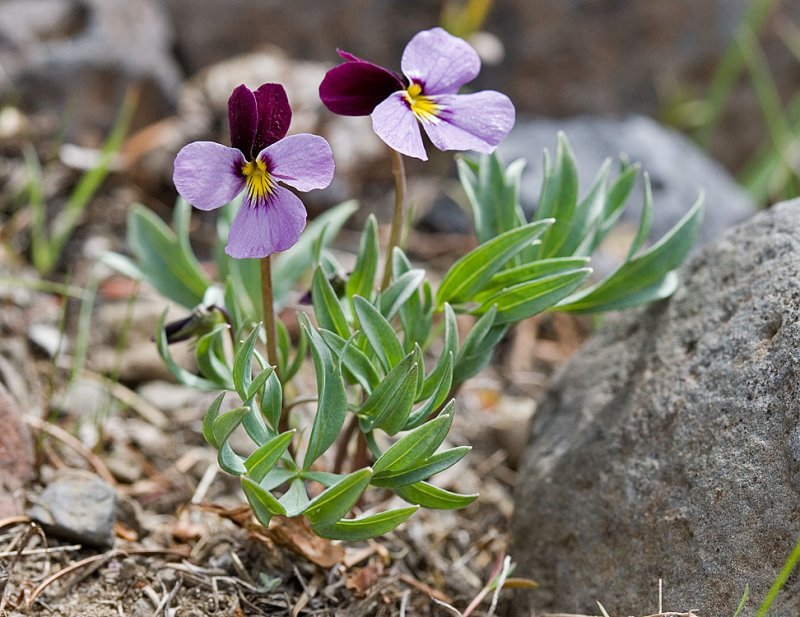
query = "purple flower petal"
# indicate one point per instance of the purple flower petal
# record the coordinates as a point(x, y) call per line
point(265, 227)
point(207, 174)
point(395, 123)
point(243, 119)
point(476, 122)
point(303, 161)
point(356, 87)
point(439, 61)
point(274, 116)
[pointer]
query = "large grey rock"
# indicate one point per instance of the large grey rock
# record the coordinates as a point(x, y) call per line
point(670, 446)
point(678, 169)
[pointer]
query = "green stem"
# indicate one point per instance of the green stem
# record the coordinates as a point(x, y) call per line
point(269, 312)
point(399, 173)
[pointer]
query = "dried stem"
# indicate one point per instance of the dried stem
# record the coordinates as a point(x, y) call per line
point(399, 173)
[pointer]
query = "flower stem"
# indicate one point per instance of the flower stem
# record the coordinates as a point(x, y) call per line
point(399, 173)
point(269, 311)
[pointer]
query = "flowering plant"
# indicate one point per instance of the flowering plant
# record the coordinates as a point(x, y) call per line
point(382, 408)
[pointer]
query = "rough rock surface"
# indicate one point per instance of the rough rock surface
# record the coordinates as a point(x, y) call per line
point(77, 506)
point(16, 454)
point(678, 169)
point(670, 446)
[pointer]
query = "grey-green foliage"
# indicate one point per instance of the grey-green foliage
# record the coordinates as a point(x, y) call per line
point(371, 347)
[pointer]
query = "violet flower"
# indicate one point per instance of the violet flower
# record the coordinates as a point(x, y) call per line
point(208, 175)
point(435, 65)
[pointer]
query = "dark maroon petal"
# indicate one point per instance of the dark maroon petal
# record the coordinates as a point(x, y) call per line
point(274, 116)
point(243, 119)
point(356, 87)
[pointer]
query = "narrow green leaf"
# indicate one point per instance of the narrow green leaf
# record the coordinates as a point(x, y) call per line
point(366, 527)
point(243, 363)
point(588, 215)
point(254, 425)
point(647, 271)
point(615, 202)
point(258, 382)
point(229, 461)
point(476, 352)
point(433, 497)
point(300, 355)
point(210, 417)
point(416, 445)
point(209, 354)
point(332, 404)
point(398, 293)
point(362, 279)
point(327, 309)
point(337, 500)
point(645, 221)
point(353, 359)
point(436, 376)
point(159, 256)
point(263, 504)
point(323, 477)
point(436, 397)
point(272, 401)
point(390, 403)
point(470, 273)
point(379, 333)
point(528, 272)
point(226, 422)
point(558, 199)
point(423, 470)
point(262, 461)
point(528, 299)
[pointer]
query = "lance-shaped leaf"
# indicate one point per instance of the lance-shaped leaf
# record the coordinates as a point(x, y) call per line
point(353, 359)
point(416, 313)
point(645, 221)
point(332, 403)
point(390, 403)
point(646, 276)
point(327, 309)
point(558, 199)
point(438, 373)
point(493, 194)
point(229, 461)
point(421, 471)
point(380, 334)
point(525, 300)
point(291, 369)
point(255, 426)
point(258, 382)
point(208, 420)
point(470, 273)
point(366, 527)
point(226, 422)
point(243, 364)
point(588, 216)
point(163, 259)
point(261, 501)
point(272, 401)
point(530, 271)
point(437, 396)
point(209, 354)
point(476, 351)
point(336, 501)
point(615, 202)
point(398, 293)
point(433, 497)
point(362, 278)
point(262, 461)
point(417, 445)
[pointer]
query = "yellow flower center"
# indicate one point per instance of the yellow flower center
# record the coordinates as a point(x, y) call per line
point(424, 108)
point(257, 179)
